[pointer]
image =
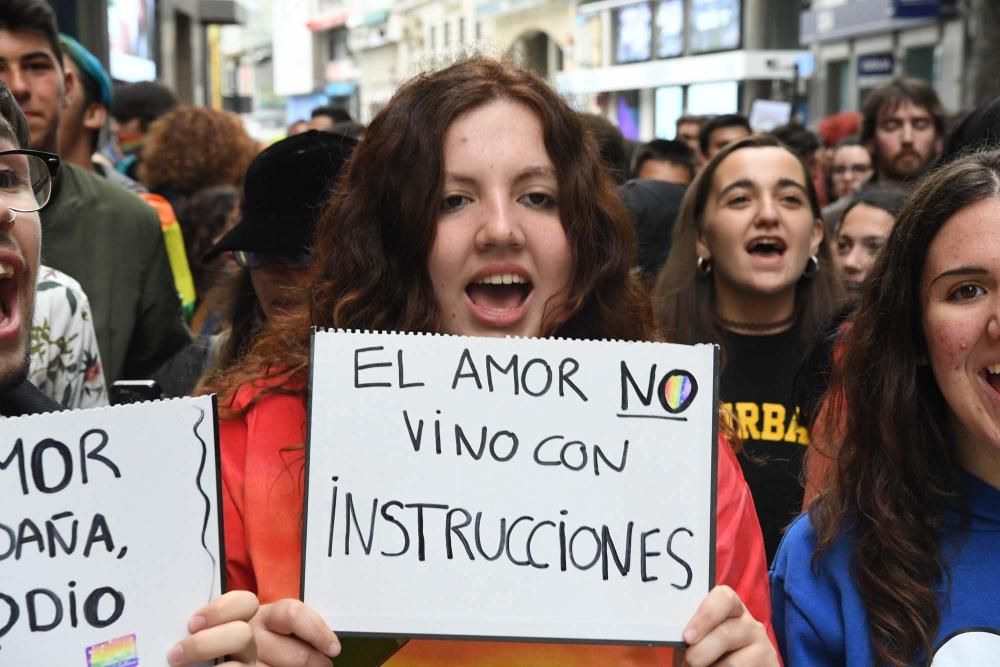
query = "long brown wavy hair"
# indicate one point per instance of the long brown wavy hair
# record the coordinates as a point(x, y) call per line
point(896, 473)
point(369, 262)
point(683, 298)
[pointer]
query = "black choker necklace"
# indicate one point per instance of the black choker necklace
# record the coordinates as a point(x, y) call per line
point(758, 327)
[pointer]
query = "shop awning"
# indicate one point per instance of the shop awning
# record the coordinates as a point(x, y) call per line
point(221, 12)
point(336, 18)
point(375, 18)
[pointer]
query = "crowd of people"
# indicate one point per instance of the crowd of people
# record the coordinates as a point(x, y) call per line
point(850, 277)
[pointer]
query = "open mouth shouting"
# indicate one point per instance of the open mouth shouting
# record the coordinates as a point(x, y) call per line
point(11, 269)
point(767, 248)
point(991, 375)
point(499, 298)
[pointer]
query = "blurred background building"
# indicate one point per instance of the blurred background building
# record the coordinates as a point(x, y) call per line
point(641, 63)
point(139, 40)
point(644, 64)
point(860, 44)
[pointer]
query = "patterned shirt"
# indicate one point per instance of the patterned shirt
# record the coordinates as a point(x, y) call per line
point(65, 361)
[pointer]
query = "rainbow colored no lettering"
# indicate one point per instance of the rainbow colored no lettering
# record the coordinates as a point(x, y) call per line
point(677, 390)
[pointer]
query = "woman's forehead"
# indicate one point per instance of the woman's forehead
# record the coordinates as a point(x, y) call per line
point(968, 237)
point(762, 166)
point(851, 153)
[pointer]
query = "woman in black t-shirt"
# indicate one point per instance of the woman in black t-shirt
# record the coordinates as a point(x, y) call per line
point(748, 270)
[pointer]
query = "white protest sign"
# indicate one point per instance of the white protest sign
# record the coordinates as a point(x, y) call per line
point(539, 489)
point(109, 532)
point(765, 115)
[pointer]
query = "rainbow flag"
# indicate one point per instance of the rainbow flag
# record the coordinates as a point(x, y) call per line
point(114, 653)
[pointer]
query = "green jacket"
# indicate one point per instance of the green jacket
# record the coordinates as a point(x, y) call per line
point(110, 241)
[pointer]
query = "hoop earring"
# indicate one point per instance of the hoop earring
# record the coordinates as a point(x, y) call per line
point(704, 266)
point(812, 267)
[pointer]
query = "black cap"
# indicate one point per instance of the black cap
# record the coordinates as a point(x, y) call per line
point(654, 206)
point(284, 192)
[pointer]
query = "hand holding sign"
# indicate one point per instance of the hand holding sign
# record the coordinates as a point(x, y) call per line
point(724, 628)
point(509, 488)
point(290, 634)
point(219, 629)
point(109, 533)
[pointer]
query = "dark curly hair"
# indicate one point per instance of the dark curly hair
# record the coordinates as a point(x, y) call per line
point(191, 148)
point(204, 217)
point(145, 100)
point(369, 262)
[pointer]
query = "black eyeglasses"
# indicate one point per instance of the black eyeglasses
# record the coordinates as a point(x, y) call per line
point(26, 178)
point(255, 260)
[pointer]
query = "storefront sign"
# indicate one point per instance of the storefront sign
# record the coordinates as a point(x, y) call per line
point(916, 8)
point(876, 64)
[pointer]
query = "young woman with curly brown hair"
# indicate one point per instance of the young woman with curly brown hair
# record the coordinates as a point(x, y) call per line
point(187, 152)
point(895, 562)
point(190, 148)
point(476, 170)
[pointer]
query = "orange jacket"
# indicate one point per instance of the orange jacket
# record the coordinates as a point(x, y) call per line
point(263, 460)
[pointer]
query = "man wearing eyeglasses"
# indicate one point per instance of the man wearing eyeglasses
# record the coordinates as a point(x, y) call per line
point(100, 234)
point(25, 184)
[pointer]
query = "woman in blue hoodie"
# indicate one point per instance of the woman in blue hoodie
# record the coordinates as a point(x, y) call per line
point(895, 561)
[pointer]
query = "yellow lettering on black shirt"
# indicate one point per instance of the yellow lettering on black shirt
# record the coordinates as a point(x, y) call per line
point(768, 422)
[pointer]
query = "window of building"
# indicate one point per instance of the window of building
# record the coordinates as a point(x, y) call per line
point(919, 63)
point(447, 34)
point(668, 106)
point(717, 97)
point(781, 29)
point(461, 30)
point(433, 38)
point(633, 25)
point(713, 25)
point(589, 43)
point(131, 59)
point(838, 82)
point(669, 28)
point(337, 44)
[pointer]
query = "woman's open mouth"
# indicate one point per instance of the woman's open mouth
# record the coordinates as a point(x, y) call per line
point(767, 247)
point(499, 298)
point(992, 376)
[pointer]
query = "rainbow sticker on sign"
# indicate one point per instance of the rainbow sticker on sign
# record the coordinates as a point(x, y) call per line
point(115, 653)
